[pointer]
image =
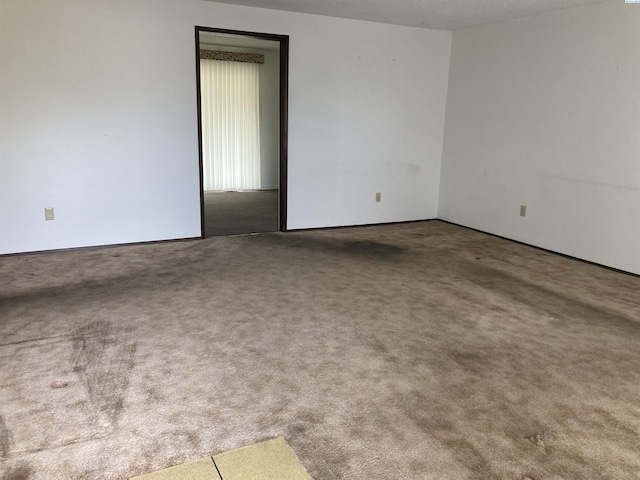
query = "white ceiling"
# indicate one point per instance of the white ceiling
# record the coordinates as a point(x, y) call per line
point(437, 14)
point(211, 40)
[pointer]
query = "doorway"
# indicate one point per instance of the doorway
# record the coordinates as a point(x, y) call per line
point(231, 206)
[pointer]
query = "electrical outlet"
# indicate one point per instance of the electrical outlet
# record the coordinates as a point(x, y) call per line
point(378, 196)
point(48, 213)
point(523, 210)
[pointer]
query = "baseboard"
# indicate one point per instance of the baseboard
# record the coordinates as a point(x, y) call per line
point(360, 225)
point(596, 264)
point(261, 189)
point(613, 269)
point(99, 247)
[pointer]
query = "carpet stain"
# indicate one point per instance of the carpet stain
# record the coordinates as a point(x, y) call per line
point(470, 457)
point(375, 343)
point(363, 248)
point(311, 417)
point(537, 439)
point(551, 300)
point(21, 472)
point(104, 359)
point(602, 420)
point(477, 363)
point(375, 249)
point(5, 438)
point(296, 428)
point(59, 384)
point(431, 419)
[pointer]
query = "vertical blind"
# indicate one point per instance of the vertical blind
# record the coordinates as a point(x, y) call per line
point(230, 125)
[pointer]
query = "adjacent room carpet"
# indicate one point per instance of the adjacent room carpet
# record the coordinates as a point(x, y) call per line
point(233, 213)
point(413, 351)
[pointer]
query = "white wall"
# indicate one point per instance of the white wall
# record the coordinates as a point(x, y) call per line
point(98, 119)
point(545, 111)
point(367, 105)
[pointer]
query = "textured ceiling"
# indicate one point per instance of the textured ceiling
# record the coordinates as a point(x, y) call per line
point(438, 14)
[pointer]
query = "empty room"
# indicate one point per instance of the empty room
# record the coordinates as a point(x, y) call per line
point(449, 284)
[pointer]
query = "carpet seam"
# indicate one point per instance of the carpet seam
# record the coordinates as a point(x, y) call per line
point(217, 469)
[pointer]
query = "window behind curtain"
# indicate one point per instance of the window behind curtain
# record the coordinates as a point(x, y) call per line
point(230, 125)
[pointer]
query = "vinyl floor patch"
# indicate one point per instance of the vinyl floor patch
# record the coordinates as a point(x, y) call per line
point(270, 460)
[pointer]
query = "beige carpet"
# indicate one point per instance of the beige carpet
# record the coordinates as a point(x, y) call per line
point(417, 351)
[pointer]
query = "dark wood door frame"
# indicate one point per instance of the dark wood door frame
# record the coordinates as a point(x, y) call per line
point(284, 122)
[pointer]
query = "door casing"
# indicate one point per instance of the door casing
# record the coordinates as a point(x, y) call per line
point(284, 102)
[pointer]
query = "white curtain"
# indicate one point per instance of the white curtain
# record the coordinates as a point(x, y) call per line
point(230, 125)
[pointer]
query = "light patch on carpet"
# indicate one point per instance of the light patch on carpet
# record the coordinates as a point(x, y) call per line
point(42, 401)
point(270, 460)
point(202, 469)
